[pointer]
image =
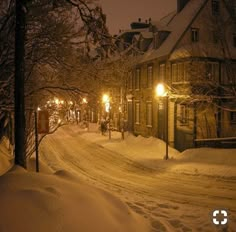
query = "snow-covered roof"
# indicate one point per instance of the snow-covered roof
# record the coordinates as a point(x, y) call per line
point(199, 50)
point(147, 34)
point(163, 22)
point(177, 26)
point(131, 31)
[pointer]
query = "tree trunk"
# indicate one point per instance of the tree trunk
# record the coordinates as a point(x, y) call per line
point(20, 157)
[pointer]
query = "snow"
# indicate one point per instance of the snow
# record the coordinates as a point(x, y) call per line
point(6, 156)
point(145, 150)
point(164, 21)
point(90, 183)
point(58, 201)
point(177, 27)
point(147, 35)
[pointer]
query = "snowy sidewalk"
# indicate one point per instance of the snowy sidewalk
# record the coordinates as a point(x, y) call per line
point(150, 152)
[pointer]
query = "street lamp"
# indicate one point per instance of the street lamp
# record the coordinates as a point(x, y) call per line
point(106, 100)
point(86, 116)
point(162, 92)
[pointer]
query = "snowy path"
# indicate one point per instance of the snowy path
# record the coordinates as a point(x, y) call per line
point(171, 201)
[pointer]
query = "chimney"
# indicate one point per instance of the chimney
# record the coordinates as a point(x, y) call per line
point(139, 19)
point(181, 4)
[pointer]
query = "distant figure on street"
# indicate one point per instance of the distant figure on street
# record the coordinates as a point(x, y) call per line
point(103, 126)
point(122, 127)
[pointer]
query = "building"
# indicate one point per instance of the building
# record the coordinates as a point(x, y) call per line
point(193, 53)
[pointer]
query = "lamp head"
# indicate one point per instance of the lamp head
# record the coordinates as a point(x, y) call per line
point(160, 90)
point(105, 98)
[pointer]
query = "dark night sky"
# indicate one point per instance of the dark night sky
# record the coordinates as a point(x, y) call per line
point(120, 13)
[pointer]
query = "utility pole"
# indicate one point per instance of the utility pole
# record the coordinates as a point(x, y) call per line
point(20, 157)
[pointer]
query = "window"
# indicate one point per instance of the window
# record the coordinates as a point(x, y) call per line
point(194, 34)
point(187, 71)
point(137, 112)
point(233, 117)
point(215, 5)
point(180, 72)
point(227, 73)
point(212, 71)
point(149, 114)
point(174, 72)
point(130, 81)
point(183, 114)
point(137, 79)
point(162, 72)
point(149, 76)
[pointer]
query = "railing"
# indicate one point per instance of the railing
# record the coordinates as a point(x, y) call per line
point(227, 142)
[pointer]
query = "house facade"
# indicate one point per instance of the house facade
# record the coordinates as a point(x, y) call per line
point(193, 53)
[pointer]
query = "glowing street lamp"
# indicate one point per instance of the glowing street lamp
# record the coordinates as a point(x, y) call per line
point(161, 92)
point(106, 101)
point(84, 100)
point(105, 98)
point(56, 101)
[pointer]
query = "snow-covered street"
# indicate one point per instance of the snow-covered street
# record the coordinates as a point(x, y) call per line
point(179, 194)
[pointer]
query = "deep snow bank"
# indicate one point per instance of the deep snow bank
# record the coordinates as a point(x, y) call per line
point(60, 202)
point(6, 156)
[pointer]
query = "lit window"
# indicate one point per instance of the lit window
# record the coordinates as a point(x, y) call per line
point(186, 71)
point(162, 72)
point(174, 72)
point(183, 114)
point(194, 34)
point(215, 7)
point(149, 114)
point(137, 112)
point(149, 76)
point(137, 79)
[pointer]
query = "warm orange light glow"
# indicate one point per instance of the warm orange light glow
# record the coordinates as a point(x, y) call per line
point(105, 98)
point(160, 90)
point(84, 100)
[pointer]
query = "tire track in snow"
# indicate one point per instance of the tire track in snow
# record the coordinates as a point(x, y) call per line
point(137, 184)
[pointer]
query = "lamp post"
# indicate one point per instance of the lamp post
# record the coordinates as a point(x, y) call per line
point(106, 100)
point(85, 112)
point(161, 92)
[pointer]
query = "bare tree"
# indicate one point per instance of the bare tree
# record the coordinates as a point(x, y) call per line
point(50, 36)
